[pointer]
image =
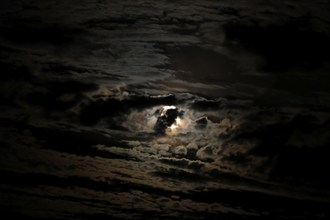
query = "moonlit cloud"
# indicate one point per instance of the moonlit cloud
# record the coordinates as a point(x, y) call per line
point(164, 110)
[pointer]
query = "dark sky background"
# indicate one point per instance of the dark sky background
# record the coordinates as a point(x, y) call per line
point(142, 109)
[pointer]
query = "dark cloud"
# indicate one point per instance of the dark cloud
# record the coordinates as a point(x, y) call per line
point(14, 72)
point(113, 107)
point(295, 44)
point(201, 122)
point(79, 143)
point(206, 105)
point(283, 159)
point(111, 23)
point(52, 35)
point(197, 64)
point(180, 175)
point(238, 92)
point(59, 95)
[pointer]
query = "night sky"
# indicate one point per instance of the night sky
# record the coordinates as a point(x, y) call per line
point(174, 109)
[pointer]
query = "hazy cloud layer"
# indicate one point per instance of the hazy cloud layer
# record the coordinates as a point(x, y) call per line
point(83, 85)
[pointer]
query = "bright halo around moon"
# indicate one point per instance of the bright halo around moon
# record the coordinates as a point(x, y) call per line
point(161, 120)
point(167, 107)
point(170, 120)
point(180, 122)
point(175, 126)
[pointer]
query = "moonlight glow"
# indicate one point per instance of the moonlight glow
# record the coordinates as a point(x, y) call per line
point(174, 127)
point(181, 121)
point(164, 109)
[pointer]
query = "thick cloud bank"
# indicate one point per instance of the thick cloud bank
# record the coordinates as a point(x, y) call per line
point(164, 110)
